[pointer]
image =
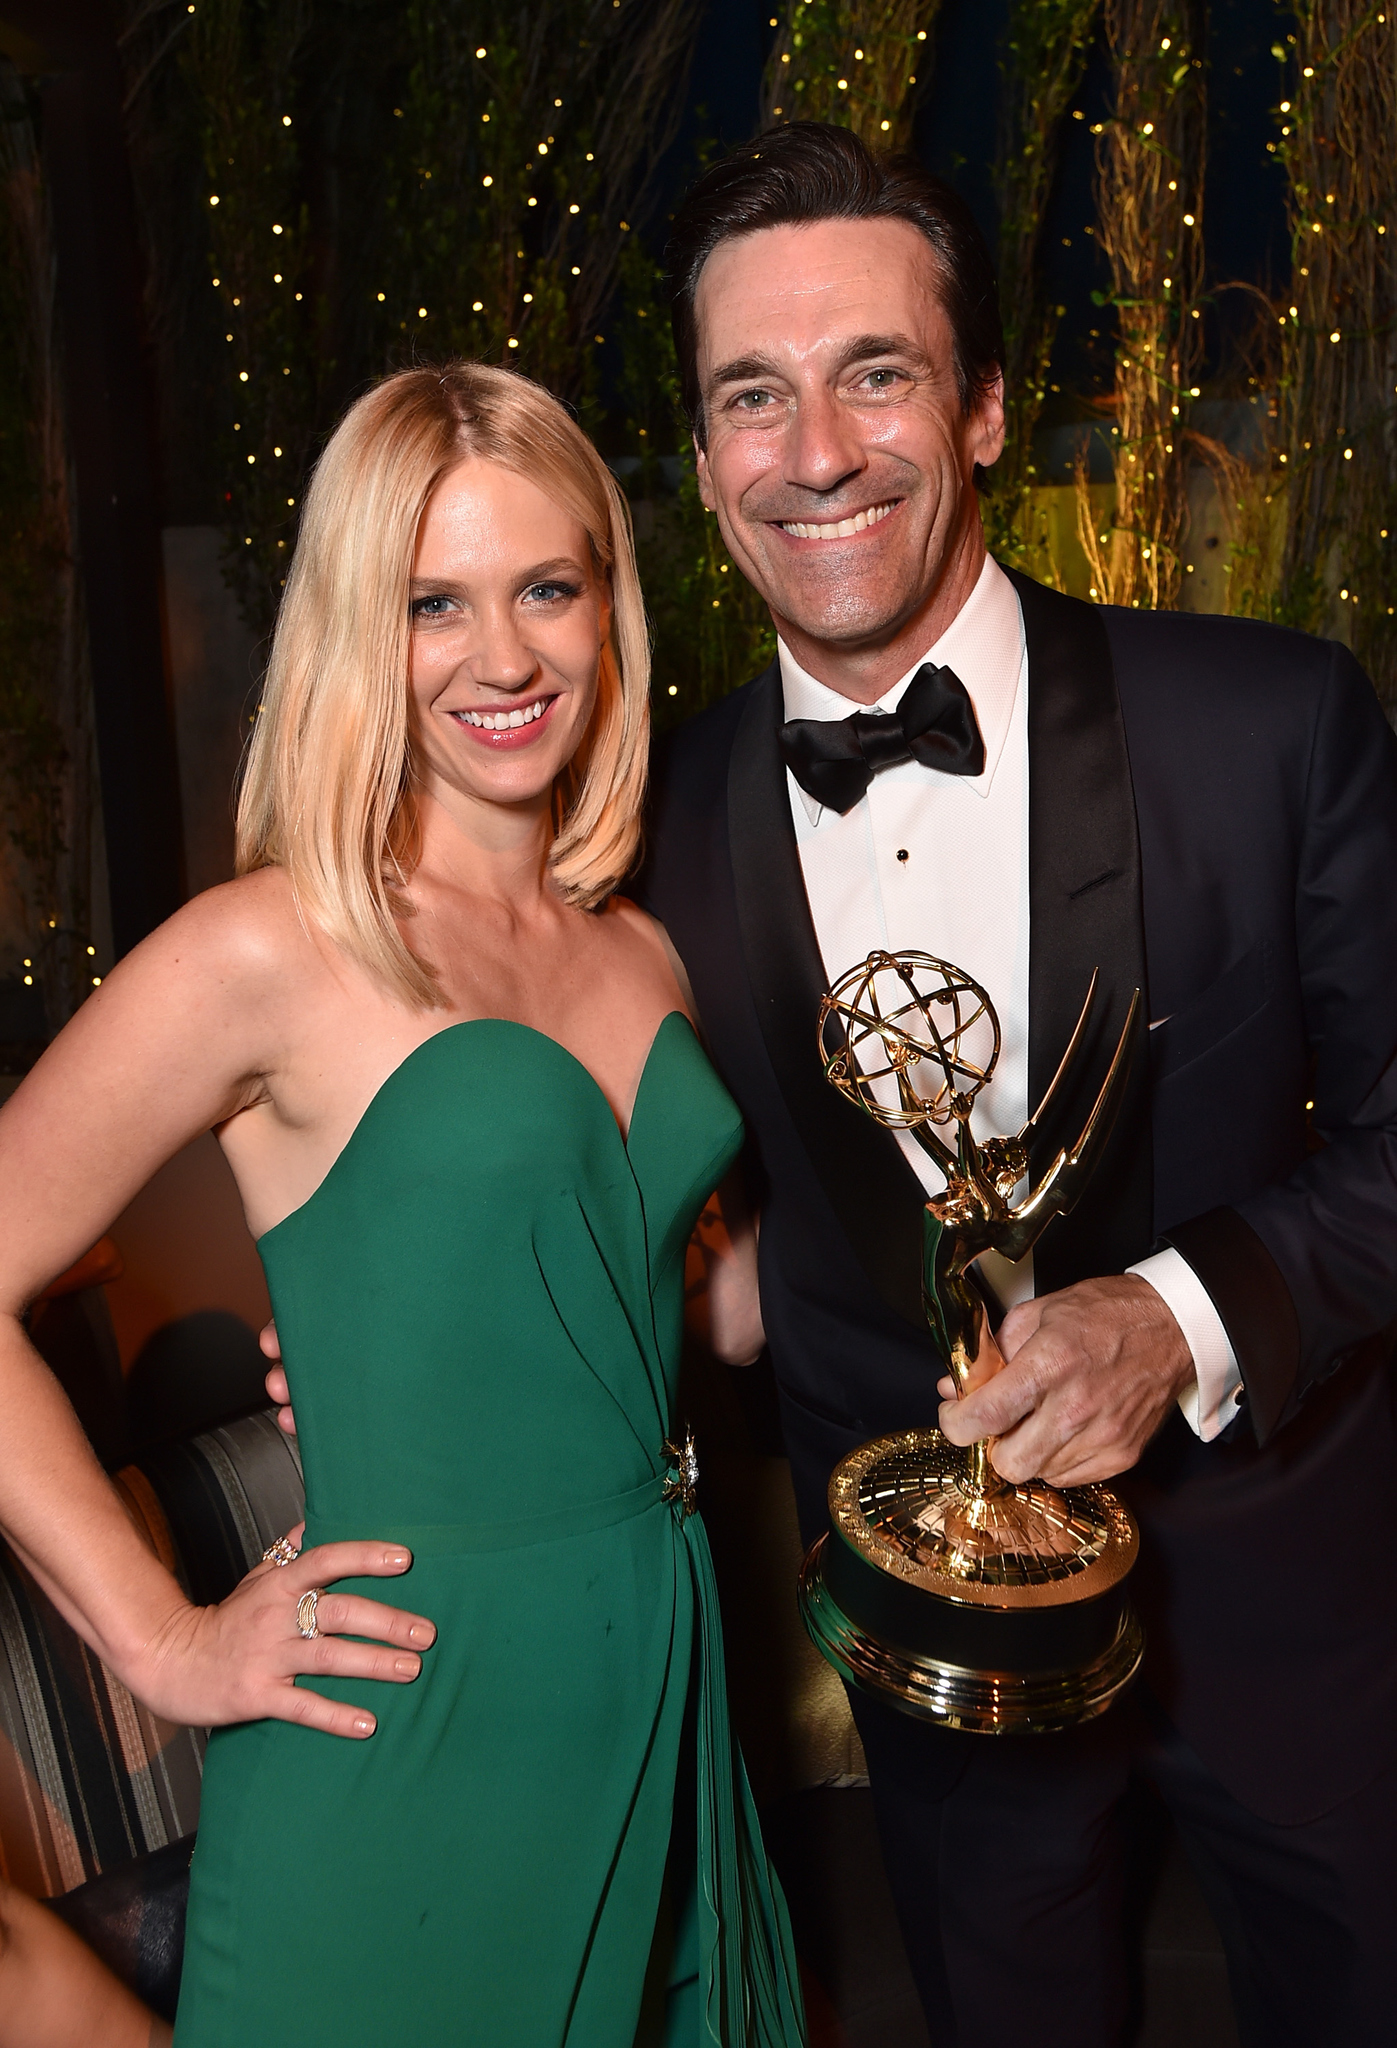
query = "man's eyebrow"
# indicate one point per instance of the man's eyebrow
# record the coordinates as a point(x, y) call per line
point(754, 369)
point(864, 347)
point(743, 370)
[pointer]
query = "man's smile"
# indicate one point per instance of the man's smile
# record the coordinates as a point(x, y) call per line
point(838, 529)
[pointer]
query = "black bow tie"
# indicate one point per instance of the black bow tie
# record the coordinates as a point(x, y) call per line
point(834, 760)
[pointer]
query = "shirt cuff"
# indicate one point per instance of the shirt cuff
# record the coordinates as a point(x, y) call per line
point(1213, 1399)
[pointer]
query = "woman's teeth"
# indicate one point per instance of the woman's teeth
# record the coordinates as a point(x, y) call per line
point(501, 721)
point(839, 529)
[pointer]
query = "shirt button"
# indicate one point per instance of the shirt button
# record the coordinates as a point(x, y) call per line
point(902, 853)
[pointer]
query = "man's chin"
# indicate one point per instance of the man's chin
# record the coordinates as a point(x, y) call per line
point(847, 619)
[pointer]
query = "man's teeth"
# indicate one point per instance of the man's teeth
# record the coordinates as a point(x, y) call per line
point(501, 721)
point(840, 528)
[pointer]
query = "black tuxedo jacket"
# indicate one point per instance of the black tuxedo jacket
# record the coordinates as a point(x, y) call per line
point(1213, 818)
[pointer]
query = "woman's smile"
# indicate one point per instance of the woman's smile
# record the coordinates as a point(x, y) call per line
point(506, 726)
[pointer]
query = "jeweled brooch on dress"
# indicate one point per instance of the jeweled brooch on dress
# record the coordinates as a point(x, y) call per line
point(682, 1484)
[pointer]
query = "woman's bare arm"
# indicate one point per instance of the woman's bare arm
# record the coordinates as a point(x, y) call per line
point(55, 1993)
point(722, 1305)
point(181, 1035)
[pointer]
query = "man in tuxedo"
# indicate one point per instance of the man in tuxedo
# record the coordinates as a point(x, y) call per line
point(950, 757)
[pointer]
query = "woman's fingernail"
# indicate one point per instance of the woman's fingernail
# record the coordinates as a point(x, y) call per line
point(422, 1632)
point(364, 1724)
point(398, 1560)
point(408, 1667)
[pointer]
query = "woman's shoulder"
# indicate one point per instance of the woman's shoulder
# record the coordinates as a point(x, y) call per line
point(245, 932)
point(652, 946)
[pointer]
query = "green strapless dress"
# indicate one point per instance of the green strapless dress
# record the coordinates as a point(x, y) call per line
point(550, 1838)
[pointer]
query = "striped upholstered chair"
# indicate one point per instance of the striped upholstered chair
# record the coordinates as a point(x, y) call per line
point(99, 1798)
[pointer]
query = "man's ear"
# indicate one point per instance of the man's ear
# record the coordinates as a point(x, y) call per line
point(705, 481)
point(987, 424)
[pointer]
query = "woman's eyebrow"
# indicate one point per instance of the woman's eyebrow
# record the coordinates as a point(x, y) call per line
point(560, 564)
point(556, 565)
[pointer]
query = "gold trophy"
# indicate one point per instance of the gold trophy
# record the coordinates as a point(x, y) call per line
point(941, 1588)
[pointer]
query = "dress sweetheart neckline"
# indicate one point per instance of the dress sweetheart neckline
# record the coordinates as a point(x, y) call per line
point(466, 1024)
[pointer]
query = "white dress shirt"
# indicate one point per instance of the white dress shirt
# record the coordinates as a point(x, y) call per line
point(938, 864)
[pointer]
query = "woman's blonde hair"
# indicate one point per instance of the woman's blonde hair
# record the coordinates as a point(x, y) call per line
point(327, 789)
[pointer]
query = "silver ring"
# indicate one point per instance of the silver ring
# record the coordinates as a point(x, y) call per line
point(305, 1614)
point(280, 1552)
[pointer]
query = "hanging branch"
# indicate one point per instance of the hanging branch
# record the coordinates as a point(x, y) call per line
point(48, 786)
point(239, 59)
point(1149, 188)
point(856, 65)
point(1043, 55)
point(1338, 418)
point(527, 145)
point(711, 630)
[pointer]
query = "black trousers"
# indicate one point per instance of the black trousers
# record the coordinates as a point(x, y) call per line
point(1006, 1865)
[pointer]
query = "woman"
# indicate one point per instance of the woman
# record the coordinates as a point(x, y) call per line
point(457, 1082)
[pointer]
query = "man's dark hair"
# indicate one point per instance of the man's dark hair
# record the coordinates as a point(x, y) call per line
point(810, 171)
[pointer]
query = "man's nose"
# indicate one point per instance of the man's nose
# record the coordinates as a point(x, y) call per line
point(822, 444)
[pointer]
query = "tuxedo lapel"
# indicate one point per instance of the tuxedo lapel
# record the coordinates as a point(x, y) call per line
point(1086, 911)
point(871, 1188)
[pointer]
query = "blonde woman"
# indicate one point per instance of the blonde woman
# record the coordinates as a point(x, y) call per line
point(455, 1077)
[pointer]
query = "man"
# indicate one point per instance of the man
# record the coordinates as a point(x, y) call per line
point(1202, 808)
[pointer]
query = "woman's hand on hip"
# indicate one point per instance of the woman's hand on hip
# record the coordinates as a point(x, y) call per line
point(239, 1661)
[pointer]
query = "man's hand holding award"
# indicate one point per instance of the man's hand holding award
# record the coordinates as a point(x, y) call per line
point(942, 1587)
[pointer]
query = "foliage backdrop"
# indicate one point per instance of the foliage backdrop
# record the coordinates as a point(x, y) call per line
point(332, 188)
point(381, 183)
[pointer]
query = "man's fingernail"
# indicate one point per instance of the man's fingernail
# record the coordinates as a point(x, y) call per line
point(407, 1667)
point(398, 1560)
point(364, 1724)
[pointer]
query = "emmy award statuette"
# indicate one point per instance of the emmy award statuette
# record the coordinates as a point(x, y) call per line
point(941, 1588)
